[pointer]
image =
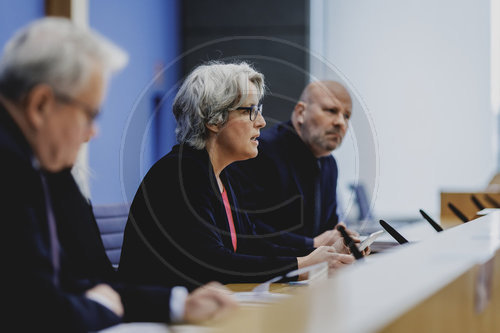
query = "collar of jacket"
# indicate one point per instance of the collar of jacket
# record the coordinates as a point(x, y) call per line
point(296, 148)
point(11, 137)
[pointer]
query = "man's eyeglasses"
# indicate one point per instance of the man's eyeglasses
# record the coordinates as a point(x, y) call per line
point(90, 112)
point(253, 110)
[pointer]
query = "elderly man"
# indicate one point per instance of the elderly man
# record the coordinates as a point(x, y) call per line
point(52, 79)
point(290, 187)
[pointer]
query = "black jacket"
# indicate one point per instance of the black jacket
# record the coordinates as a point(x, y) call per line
point(81, 240)
point(32, 299)
point(178, 232)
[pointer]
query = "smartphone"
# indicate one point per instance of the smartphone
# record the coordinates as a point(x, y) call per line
point(370, 239)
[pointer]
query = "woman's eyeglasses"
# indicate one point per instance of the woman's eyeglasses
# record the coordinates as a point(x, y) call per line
point(253, 110)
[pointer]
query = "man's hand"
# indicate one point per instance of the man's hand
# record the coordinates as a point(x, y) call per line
point(106, 296)
point(324, 254)
point(210, 301)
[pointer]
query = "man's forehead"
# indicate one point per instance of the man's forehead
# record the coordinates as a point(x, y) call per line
point(329, 90)
point(329, 98)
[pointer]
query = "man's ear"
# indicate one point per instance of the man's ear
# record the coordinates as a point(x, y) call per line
point(38, 104)
point(299, 109)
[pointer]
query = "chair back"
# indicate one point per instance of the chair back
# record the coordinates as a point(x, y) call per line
point(111, 220)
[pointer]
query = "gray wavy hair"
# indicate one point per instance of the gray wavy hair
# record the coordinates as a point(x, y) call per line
point(56, 52)
point(207, 95)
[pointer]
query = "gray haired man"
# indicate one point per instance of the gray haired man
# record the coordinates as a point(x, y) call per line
point(52, 81)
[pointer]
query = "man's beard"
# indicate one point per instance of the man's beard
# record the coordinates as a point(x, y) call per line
point(326, 144)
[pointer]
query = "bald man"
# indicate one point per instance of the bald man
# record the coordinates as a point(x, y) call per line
point(289, 189)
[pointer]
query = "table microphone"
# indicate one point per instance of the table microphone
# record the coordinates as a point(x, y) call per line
point(476, 202)
point(396, 235)
point(434, 224)
point(458, 213)
point(492, 201)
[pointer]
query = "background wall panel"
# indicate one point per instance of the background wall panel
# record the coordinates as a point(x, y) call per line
point(133, 133)
point(423, 70)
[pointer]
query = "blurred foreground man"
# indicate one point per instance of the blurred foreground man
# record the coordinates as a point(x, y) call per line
point(290, 187)
point(52, 81)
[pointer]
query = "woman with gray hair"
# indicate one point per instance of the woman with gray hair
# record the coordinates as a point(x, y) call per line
point(184, 224)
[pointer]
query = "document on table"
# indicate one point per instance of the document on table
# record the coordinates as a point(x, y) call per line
point(261, 293)
point(487, 211)
point(259, 297)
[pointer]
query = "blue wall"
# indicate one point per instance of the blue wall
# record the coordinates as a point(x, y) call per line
point(16, 14)
point(131, 135)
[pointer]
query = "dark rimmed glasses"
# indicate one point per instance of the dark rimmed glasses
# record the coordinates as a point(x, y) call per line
point(90, 112)
point(253, 110)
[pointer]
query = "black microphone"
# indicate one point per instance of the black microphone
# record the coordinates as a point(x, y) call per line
point(458, 213)
point(476, 202)
point(396, 235)
point(434, 224)
point(492, 201)
point(349, 242)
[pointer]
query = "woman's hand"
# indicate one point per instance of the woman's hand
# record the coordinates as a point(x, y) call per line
point(326, 254)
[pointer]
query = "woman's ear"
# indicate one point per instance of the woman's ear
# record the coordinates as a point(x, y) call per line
point(213, 128)
point(38, 104)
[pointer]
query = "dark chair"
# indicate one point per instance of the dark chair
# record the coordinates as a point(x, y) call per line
point(111, 220)
point(365, 222)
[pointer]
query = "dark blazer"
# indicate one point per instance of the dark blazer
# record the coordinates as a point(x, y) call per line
point(32, 299)
point(277, 187)
point(82, 243)
point(178, 231)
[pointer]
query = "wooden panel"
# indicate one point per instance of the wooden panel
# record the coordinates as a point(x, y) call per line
point(283, 288)
point(489, 318)
point(427, 286)
point(449, 310)
point(452, 309)
point(58, 8)
point(305, 309)
point(288, 316)
point(462, 200)
point(495, 180)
